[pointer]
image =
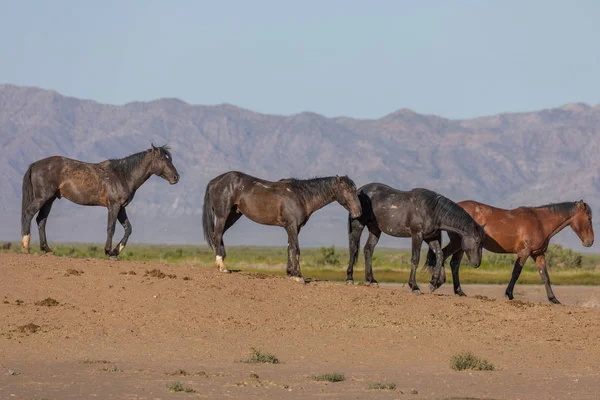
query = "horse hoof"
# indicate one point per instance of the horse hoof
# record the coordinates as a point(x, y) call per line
point(298, 279)
point(224, 270)
point(461, 294)
point(416, 291)
point(432, 288)
point(372, 284)
point(554, 300)
point(24, 250)
point(113, 258)
point(349, 282)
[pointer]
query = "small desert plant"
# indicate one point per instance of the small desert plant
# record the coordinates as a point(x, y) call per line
point(463, 361)
point(48, 302)
point(178, 387)
point(111, 369)
point(333, 377)
point(382, 385)
point(328, 256)
point(258, 356)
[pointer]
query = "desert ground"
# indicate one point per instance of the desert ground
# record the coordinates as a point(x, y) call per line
point(123, 330)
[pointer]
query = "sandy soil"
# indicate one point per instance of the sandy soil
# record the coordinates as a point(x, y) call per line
point(117, 335)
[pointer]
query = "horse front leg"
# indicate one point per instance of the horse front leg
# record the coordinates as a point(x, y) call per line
point(454, 266)
point(540, 262)
point(110, 231)
point(124, 220)
point(293, 265)
point(417, 241)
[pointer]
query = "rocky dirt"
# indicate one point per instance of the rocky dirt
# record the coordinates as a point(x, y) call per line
point(126, 330)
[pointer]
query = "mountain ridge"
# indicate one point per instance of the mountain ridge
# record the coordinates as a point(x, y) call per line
point(507, 159)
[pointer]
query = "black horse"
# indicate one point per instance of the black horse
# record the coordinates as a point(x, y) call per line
point(288, 203)
point(111, 184)
point(420, 214)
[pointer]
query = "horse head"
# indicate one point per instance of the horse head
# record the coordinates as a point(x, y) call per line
point(162, 164)
point(472, 244)
point(345, 192)
point(581, 223)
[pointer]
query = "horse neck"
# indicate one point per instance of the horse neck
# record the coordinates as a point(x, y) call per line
point(556, 221)
point(454, 229)
point(141, 173)
point(313, 203)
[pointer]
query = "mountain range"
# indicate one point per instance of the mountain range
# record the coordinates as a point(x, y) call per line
point(507, 160)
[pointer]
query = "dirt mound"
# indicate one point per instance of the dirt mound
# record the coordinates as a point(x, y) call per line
point(149, 326)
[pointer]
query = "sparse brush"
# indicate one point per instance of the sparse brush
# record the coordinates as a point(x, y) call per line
point(333, 377)
point(111, 369)
point(47, 302)
point(178, 387)
point(260, 357)
point(463, 361)
point(382, 386)
point(88, 361)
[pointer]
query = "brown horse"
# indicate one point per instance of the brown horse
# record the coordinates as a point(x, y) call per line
point(111, 184)
point(288, 203)
point(524, 231)
point(6, 246)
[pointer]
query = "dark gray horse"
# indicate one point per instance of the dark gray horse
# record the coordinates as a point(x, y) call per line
point(288, 203)
point(111, 184)
point(420, 214)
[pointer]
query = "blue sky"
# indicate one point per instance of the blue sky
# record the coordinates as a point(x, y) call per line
point(364, 59)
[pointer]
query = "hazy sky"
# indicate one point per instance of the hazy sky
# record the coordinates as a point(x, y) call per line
point(363, 59)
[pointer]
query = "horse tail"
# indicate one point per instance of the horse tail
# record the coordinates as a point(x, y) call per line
point(208, 219)
point(28, 197)
point(430, 262)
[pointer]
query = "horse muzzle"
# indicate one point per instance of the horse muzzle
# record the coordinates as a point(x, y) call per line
point(588, 242)
point(174, 179)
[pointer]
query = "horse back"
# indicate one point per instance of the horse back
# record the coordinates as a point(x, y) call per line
point(81, 182)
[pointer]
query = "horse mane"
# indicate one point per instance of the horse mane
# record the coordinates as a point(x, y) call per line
point(446, 211)
point(320, 187)
point(126, 165)
point(566, 207)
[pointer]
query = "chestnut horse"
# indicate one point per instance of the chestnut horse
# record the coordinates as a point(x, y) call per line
point(420, 214)
point(111, 184)
point(524, 231)
point(288, 203)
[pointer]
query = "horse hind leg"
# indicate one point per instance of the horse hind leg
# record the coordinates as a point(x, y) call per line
point(27, 216)
point(355, 229)
point(374, 234)
point(41, 219)
point(232, 218)
point(519, 263)
point(221, 225)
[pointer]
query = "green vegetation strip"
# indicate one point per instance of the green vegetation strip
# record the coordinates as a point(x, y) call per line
point(389, 265)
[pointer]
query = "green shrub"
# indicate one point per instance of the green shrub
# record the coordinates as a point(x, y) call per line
point(558, 257)
point(463, 361)
point(333, 377)
point(328, 256)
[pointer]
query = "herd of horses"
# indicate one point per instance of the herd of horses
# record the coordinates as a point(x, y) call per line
point(420, 214)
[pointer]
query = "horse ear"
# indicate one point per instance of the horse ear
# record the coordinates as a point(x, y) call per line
point(338, 178)
point(483, 226)
point(153, 148)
